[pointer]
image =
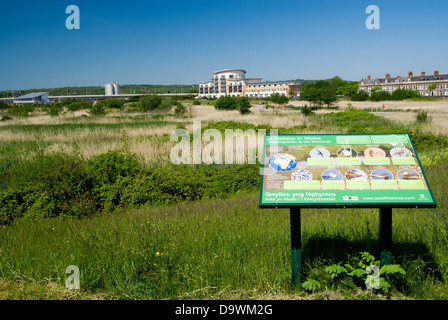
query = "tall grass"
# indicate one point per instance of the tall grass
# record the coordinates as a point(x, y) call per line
point(214, 249)
point(221, 249)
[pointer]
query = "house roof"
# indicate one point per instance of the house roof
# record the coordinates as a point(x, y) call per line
point(31, 95)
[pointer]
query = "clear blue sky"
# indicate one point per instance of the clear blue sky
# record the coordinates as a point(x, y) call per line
point(183, 42)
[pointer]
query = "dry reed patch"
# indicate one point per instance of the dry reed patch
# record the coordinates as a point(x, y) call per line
point(438, 125)
point(280, 118)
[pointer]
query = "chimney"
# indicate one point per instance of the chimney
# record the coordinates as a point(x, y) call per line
point(436, 73)
point(422, 74)
point(387, 75)
point(368, 77)
point(410, 74)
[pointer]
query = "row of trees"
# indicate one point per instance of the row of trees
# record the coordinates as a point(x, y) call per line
point(379, 95)
point(326, 92)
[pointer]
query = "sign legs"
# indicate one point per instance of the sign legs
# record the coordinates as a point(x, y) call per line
point(296, 246)
point(385, 236)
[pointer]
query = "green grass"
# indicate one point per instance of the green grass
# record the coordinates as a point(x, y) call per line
point(221, 249)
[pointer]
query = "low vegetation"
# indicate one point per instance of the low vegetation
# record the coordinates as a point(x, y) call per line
point(139, 227)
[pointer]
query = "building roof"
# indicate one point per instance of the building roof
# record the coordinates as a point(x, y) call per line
point(229, 70)
point(31, 95)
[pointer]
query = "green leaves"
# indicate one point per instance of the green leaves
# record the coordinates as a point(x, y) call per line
point(361, 272)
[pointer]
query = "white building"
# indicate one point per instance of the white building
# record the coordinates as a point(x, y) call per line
point(233, 82)
point(34, 97)
point(112, 89)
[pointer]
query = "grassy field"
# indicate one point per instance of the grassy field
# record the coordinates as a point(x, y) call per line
point(216, 248)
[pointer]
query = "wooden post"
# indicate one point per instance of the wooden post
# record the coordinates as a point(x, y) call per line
point(385, 236)
point(296, 246)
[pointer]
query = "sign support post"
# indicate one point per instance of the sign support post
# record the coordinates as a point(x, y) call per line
point(296, 246)
point(385, 236)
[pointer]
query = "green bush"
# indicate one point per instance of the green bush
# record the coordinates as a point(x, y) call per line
point(226, 103)
point(278, 98)
point(402, 94)
point(422, 117)
point(61, 185)
point(5, 118)
point(380, 96)
point(115, 103)
point(306, 110)
point(244, 105)
point(196, 102)
point(98, 108)
point(22, 110)
point(150, 102)
point(4, 105)
point(360, 95)
point(180, 109)
point(54, 109)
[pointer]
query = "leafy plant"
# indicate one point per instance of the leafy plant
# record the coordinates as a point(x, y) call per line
point(306, 110)
point(422, 117)
point(244, 105)
point(361, 272)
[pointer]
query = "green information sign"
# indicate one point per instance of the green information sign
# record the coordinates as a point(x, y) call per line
point(346, 170)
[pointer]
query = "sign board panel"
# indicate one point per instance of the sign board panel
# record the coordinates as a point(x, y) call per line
point(343, 170)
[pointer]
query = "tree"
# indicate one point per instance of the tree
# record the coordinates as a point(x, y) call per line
point(320, 92)
point(401, 94)
point(226, 103)
point(278, 98)
point(360, 95)
point(380, 96)
point(432, 86)
point(348, 89)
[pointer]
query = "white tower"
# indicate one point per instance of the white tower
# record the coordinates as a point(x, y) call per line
point(112, 89)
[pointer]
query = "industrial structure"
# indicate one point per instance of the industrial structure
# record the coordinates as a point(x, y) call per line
point(233, 82)
point(34, 97)
point(435, 85)
point(112, 89)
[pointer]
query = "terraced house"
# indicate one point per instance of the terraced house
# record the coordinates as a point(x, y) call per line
point(233, 82)
point(435, 85)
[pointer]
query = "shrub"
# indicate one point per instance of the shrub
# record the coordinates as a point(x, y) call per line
point(422, 117)
point(278, 98)
point(401, 94)
point(306, 110)
point(98, 108)
point(380, 96)
point(244, 105)
point(4, 105)
point(196, 102)
point(359, 96)
point(180, 109)
point(226, 103)
point(115, 104)
point(5, 118)
point(22, 110)
point(54, 109)
point(149, 103)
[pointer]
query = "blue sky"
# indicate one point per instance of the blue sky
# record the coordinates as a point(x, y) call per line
point(183, 42)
